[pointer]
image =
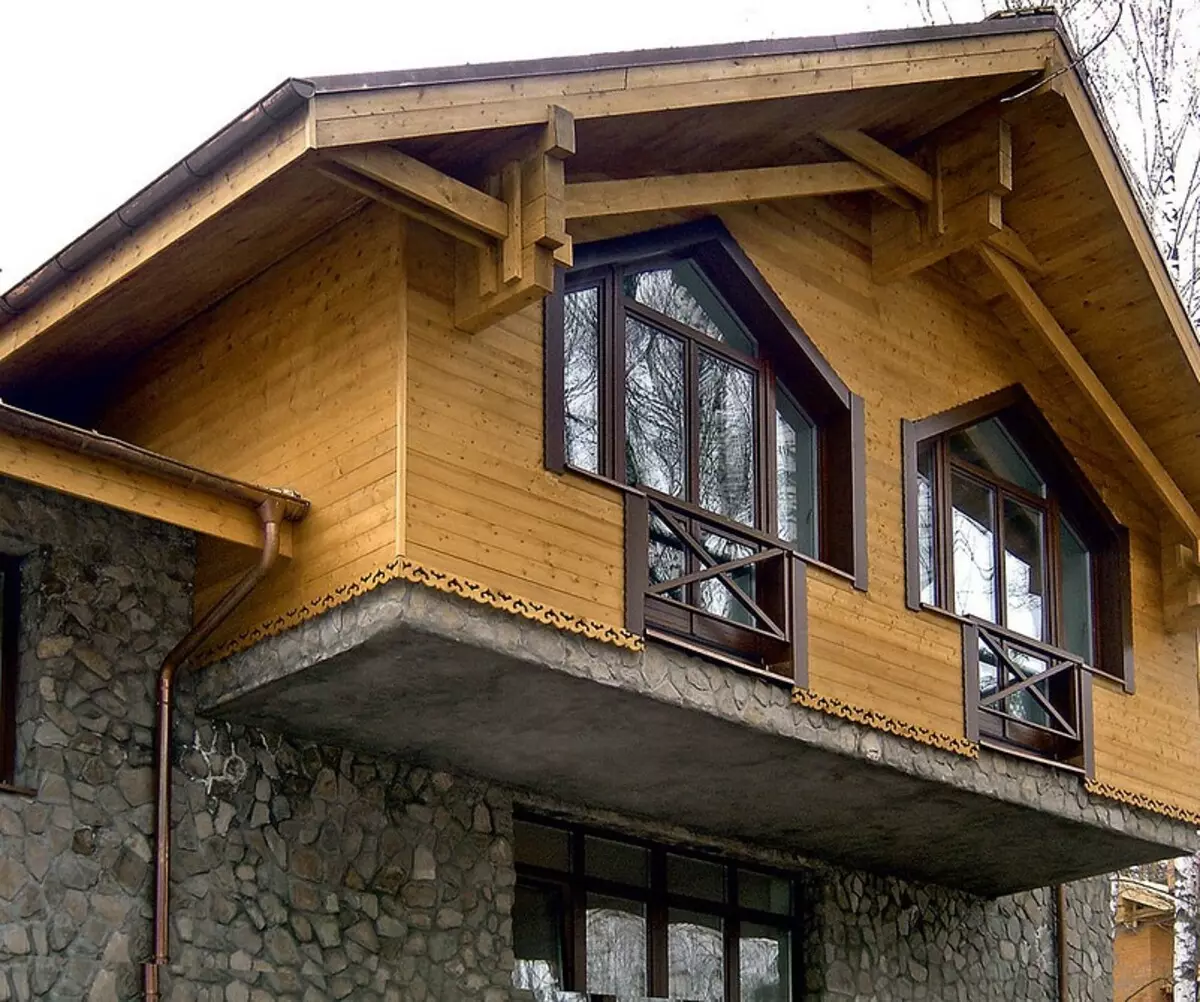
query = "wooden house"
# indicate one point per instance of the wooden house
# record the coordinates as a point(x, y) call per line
point(726, 528)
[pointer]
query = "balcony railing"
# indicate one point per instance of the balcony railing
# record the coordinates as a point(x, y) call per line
point(1026, 696)
point(710, 585)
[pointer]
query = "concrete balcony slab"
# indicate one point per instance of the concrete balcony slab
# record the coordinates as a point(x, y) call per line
point(662, 735)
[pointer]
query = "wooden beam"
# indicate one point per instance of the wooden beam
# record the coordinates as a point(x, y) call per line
point(913, 180)
point(415, 180)
point(1041, 319)
point(887, 163)
point(902, 243)
point(139, 492)
point(408, 206)
point(1009, 243)
point(592, 199)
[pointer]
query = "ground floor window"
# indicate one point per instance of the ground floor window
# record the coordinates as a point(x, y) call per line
point(616, 918)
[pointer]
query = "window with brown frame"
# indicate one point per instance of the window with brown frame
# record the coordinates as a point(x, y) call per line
point(1004, 528)
point(610, 917)
point(672, 366)
point(10, 622)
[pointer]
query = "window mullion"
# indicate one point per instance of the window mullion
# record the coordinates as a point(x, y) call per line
point(766, 461)
point(615, 378)
point(998, 551)
point(731, 930)
point(658, 952)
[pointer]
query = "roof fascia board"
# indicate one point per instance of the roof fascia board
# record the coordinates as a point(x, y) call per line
point(482, 72)
point(387, 114)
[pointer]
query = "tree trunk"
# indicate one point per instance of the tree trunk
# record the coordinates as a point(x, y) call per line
point(1184, 975)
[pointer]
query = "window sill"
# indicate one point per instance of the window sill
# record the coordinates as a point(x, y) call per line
point(17, 791)
point(1109, 681)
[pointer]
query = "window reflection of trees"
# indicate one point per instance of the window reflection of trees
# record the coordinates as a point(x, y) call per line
point(655, 453)
point(581, 378)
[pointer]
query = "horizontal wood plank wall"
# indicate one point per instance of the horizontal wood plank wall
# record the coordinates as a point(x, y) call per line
point(480, 503)
point(912, 349)
point(291, 381)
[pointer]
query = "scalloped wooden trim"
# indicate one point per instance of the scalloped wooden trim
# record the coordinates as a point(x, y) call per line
point(403, 569)
point(882, 722)
point(1141, 801)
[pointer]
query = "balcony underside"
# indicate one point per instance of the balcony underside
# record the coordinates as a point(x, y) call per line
point(411, 672)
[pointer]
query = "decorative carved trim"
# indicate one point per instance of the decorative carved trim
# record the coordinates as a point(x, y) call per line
point(1142, 802)
point(882, 722)
point(402, 569)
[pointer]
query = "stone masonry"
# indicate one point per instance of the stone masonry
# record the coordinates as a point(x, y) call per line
point(307, 872)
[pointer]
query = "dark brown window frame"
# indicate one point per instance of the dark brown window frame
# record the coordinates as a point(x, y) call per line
point(576, 884)
point(1071, 492)
point(789, 356)
point(10, 625)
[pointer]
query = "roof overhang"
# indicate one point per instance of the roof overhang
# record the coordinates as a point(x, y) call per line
point(266, 184)
point(98, 468)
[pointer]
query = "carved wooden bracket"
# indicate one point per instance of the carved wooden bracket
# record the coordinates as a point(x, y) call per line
point(509, 236)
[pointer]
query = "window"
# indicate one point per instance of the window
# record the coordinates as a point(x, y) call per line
point(10, 597)
point(1004, 528)
point(608, 916)
point(672, 366)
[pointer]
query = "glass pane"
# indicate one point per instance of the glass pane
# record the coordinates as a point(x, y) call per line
point(695, 956)
point(541, 845)
point(581, 378)
point(682, 292)
point(537, 938)
point(974, 532)
point(726, 439)
point(666, 556)
point(765, 964)
point(618, 861)
point(616, 947)
point(796, 473)
point(695, 878)
point(1077, 599)
point(764, 892)
point(1024, 704)
point(1024, 569)
point(715, 596)
point(655, 450)
point(926, 523)
point(989, 446)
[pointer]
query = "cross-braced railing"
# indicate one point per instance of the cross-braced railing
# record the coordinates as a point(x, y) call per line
point(708, 584)
point(1027, 696)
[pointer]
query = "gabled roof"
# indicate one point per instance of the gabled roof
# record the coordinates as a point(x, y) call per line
point(255, 191)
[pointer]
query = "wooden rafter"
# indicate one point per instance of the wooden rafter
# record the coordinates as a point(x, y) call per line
point(592, 199)
point(410, 177)
point(1041, 319)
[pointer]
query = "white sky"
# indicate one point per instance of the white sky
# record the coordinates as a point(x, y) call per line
point(98, 98)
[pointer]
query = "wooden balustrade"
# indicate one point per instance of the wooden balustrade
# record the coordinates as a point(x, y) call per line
point(1026, 696)
point(715, 587)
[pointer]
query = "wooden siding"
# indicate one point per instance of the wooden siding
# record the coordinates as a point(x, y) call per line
point(480, 502)
point(913, 349)
point(292, 381)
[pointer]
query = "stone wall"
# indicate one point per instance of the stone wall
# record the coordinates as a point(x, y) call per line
point(874, 938)
point(104, 596)
point(305, 872)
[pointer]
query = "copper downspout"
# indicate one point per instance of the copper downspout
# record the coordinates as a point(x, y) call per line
point(1060, 920)
point(271, 514)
